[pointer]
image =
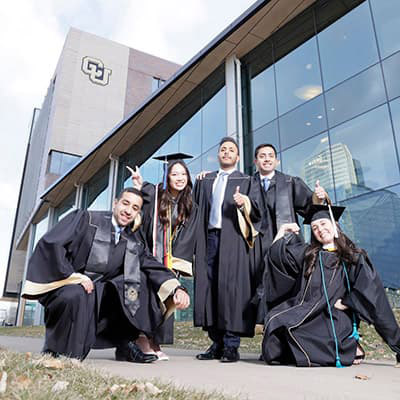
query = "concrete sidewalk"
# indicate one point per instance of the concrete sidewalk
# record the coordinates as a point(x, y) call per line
point(249, 378)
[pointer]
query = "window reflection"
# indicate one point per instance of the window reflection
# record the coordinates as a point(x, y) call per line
point(310, 160)
point(347, 46)
point(298, 77)
point(380, 210)
point(194, 168)
point(364, 163)
point(214, 120)
point(391, 68)
point(65, 207)
point(210, 160)
point(40, 229)
point(60, 162)
point(267, 134)
point(170, 146)
point(386, 14)
point(355, 95)
point(263, 99)
point(190, 136)
point(395, 109)
point(303, 122)
point(96, 191)
point(151, 171)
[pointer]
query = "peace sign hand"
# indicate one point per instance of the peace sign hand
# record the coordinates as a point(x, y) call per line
point(137, 179)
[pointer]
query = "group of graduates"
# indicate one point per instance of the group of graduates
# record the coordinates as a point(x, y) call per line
point(110, 279)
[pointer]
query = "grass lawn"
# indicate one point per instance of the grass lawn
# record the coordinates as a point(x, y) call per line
point(187, 337)
point(34, 377)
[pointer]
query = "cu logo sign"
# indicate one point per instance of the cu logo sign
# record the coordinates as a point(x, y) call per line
point(96, 70)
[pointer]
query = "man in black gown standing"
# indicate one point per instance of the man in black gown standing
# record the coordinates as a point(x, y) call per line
point(282, 199)
point(224, 275)
point(87, 273)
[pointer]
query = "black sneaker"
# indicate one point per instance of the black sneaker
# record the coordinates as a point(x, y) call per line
point(214, 352)
point(132, 353)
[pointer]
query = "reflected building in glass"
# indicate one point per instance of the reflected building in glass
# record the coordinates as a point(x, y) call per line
point(323, 90)
point(318, 79)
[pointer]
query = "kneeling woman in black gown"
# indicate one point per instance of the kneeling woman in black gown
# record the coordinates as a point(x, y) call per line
point(318, 292)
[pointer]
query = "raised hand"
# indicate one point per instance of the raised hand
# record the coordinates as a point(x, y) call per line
point(137, 179)
point(201, 175)
point(238, 197)
point(320, 192)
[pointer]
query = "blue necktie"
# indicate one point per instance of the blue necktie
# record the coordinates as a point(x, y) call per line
point(217, 200)
point(265, 183)
point(118, 230)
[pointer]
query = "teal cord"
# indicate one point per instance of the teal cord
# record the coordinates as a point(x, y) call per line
point(338, 363)
point(355, 333)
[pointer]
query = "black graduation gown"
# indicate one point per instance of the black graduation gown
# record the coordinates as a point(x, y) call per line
point(233, 310)
point(298, 329)
point(287, 197)
point(77, 321)
point(183, 246)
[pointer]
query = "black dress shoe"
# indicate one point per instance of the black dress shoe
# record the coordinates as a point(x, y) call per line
point(230, 354)
point(214, 352)
point(132, 353)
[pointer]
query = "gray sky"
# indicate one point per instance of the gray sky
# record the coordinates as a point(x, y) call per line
point(32, 34)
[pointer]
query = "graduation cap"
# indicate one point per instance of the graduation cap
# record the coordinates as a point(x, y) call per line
point(170, 157)
point(318, 211)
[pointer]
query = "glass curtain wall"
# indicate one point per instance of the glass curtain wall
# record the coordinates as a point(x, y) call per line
point(325, 91)
point(96, 191)
point(194, 127)
point(65, 207)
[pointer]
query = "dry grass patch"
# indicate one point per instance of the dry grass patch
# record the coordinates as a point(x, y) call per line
point(24, 376)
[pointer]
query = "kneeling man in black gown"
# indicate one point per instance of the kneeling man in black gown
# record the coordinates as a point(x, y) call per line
point(87, 273)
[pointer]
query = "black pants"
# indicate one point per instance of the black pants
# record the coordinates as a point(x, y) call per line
point(75, 323)
point(222, 337)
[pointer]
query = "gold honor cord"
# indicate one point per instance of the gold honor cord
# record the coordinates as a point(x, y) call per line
point(168, 241)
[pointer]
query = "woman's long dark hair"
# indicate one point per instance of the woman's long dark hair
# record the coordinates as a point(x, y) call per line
point(346, 250)
point(184, 198)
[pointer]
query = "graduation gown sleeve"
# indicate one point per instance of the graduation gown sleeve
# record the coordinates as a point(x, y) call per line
point(183, 246)
point(302, 196)
point(161, 279)
point(50, 266)
point(249, 216)
point(368, 299)
point(284, 263)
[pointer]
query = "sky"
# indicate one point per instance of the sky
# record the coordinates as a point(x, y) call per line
point(32, 34)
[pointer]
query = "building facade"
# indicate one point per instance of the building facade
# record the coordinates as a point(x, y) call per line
point(96, 83)
point(317, 79)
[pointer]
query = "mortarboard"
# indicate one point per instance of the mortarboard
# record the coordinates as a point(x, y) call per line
point(173, 156)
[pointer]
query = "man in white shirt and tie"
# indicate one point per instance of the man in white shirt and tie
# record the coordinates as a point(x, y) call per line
point(224, 278)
